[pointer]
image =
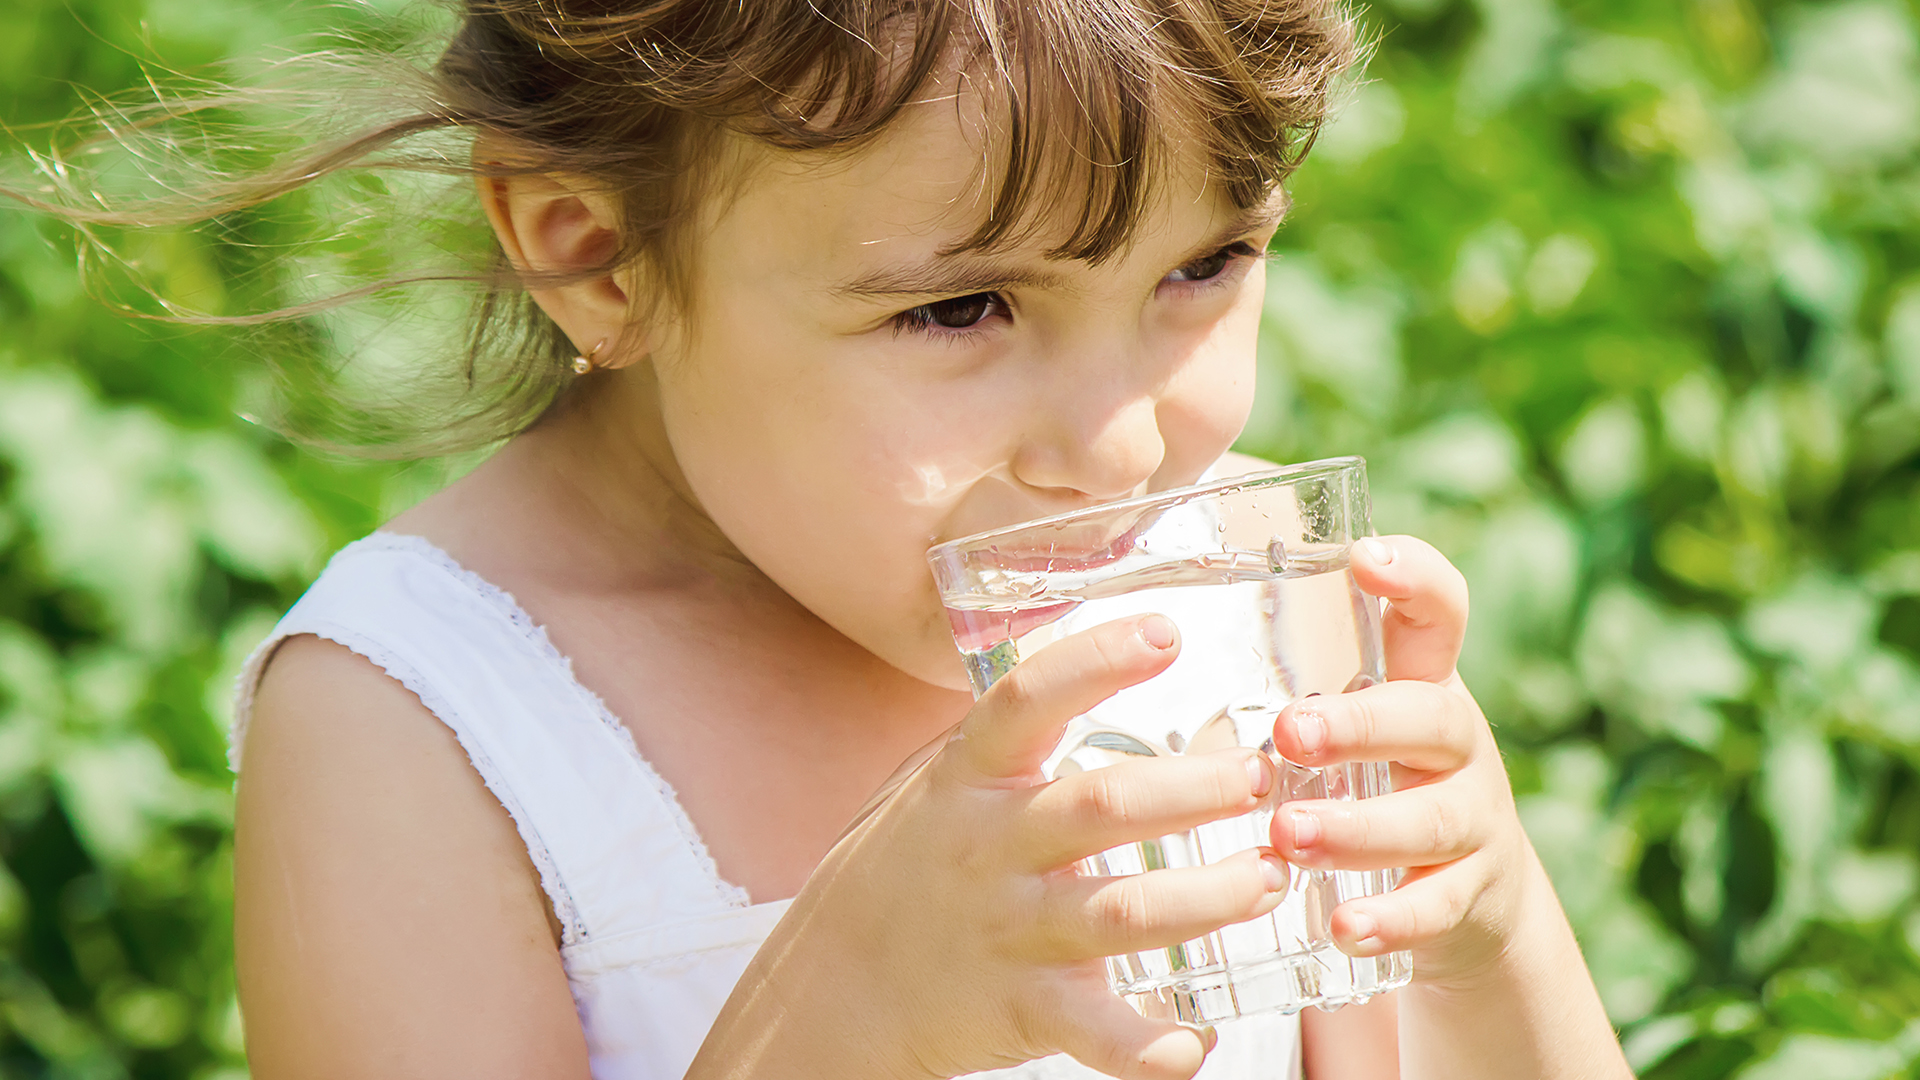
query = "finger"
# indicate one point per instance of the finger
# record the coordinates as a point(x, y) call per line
point(1083, 917)
point(1426, 906)
point(1426, 616)
point(1078, 815)
point(1420, 827)
point(1421, 725)
point(1105, 1034)
point(1017, 723)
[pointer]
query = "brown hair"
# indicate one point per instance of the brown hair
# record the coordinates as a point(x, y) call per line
point(1093, 100)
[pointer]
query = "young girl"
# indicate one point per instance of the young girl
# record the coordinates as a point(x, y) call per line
point(571, 769)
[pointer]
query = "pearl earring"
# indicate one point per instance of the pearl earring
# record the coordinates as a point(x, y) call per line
point(584, 364)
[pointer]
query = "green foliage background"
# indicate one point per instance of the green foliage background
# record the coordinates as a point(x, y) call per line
point(1619, 297)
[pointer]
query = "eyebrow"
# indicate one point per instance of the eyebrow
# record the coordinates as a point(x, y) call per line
point(947, 275)
point(956, 275)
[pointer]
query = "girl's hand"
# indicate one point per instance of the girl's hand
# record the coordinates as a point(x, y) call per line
point(1500, 991)
point(1450, 819)
point(948, 932)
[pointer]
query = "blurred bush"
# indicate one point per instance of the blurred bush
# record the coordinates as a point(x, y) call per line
point(1620, 300)
point(148, 540)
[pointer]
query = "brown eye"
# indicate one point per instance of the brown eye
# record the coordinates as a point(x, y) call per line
point(1212, 266)
point(961, 311)
point(1209, 267)
point(953, 313)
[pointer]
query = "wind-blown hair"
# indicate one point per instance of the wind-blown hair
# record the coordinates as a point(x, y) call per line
point(1090, 102)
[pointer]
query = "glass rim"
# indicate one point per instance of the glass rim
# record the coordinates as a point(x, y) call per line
point(1171, 497)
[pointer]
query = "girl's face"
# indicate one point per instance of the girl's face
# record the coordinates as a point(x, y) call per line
point(841, 396)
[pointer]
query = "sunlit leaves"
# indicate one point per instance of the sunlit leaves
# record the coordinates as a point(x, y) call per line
point(146, 535)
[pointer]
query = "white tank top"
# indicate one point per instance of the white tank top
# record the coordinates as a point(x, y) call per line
point(652, 938)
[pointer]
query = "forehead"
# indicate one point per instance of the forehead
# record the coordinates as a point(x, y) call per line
point(923, 187)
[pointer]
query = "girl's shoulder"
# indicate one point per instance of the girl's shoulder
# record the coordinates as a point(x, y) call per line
point(390, 601)
point(369, 854)
point(462, 653)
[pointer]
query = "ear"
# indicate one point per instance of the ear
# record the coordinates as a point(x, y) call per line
point(547, 225)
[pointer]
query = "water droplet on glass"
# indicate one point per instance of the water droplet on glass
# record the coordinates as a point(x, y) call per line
point(1277, 556)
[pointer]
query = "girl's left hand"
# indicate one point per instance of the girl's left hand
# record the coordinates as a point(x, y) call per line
point(1450, 819)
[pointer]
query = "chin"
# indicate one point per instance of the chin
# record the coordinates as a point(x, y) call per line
point(951, 676)
point(929, 656)
point(942, 668)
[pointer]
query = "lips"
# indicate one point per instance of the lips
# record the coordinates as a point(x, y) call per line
point(994, 613)
point(976, 631)
point(1065, 551)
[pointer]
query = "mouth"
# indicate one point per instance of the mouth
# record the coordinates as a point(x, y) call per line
point(1061, 549)
point(1044, 544)
point(977, 631)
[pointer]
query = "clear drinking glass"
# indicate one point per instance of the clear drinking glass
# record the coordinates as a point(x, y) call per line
point(1254, 571)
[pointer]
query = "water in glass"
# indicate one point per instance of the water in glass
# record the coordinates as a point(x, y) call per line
point(1259, 629)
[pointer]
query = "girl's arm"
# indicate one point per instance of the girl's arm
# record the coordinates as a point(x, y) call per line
point(1538, 1007)
point(387, 919)
point(1357, 1042)
point(1533, 1012)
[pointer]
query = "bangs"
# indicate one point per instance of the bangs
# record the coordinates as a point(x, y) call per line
point(1101, 103)
point(1090, 103)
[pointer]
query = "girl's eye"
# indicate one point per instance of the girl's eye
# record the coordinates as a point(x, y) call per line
point(1208, 267)
point(955, 313)
point(961, 311)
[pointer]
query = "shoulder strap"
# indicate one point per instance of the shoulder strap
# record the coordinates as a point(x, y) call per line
point(614, 849)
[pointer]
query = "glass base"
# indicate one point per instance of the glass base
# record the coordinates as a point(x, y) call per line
point(1325, 977)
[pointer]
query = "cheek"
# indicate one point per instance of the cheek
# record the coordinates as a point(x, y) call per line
point(833, 483)
point(858, 457)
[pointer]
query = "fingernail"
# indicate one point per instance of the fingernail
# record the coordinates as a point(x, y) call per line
point(1258, 773)
point(1157, 631)
point(1310, 730)
point(1379, 552)
point(1209, 1038)
point(1306, 828)
point(1364, 929)
point(1273, 871)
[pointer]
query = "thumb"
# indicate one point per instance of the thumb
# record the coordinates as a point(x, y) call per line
point(1116, 1040)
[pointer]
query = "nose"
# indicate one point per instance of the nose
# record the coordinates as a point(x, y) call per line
point(1095, 432)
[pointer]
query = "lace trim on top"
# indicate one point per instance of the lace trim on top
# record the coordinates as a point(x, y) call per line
point(536, 635)
point(572, 929)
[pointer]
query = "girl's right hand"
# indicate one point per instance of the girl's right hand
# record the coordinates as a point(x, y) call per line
point(948, 932)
